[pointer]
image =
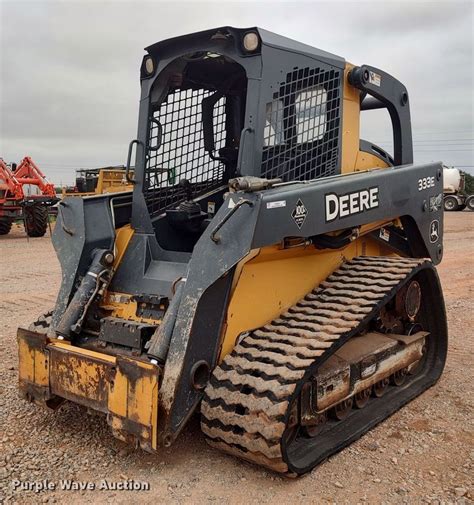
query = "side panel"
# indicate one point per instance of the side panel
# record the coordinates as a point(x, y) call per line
point(281, 277)
point(326, 205)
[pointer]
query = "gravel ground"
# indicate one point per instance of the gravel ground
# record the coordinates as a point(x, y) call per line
point(422, 454)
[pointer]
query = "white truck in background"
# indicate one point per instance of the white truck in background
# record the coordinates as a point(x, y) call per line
point(453, 189)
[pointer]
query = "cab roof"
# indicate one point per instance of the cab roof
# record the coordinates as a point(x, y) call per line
point(267, 38)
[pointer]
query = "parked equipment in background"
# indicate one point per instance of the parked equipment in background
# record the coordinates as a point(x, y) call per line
point(97, 181)
point(455, 197)
point(270, 270)
point(25, 194)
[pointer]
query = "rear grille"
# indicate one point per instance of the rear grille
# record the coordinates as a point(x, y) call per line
point(302, 129)
point(180, 154)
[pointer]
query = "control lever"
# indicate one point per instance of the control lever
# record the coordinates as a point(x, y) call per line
point(188, 189)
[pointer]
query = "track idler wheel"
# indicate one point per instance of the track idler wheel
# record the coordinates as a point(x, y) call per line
point(399, 377)
point(315, 429)
point(362, 398)
point(342, 409)
point(380, 388)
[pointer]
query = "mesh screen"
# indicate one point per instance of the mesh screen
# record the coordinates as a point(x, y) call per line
point(180, 154)
point(301, 134)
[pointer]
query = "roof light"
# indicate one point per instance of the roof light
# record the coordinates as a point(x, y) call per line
point(250, 41)
point(149, 65)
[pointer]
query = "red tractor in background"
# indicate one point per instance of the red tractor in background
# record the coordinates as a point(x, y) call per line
point(25, 194)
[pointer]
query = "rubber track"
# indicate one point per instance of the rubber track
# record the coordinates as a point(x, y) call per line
point(247, 401)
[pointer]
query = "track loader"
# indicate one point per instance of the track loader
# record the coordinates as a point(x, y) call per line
point(271, 271)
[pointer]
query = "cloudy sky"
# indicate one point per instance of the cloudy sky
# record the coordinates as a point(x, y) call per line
point(69, 84)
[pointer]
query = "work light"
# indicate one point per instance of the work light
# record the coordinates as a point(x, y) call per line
point(250, 41)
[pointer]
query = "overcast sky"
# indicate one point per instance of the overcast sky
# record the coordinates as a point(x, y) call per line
point(69, 85)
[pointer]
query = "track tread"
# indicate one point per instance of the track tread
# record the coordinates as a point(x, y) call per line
point(263, 369)
point(274, 357)
point(270, 362)
point(288, 350)
point(277, 389)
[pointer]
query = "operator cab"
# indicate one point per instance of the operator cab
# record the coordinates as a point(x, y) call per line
point(197, 107)
point(226, 103)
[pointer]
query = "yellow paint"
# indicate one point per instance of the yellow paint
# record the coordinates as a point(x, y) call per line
point(79, 377)
point(113, 181)
point(33, 364)
point(124, 388)
point(118, 394)
point(123, 306)
point(273, 279)
point(135, 399)
point(352, 158)
point(123, 396)
point(65, 346)
point(350, 124)
point(122, 238)
point(366, 161)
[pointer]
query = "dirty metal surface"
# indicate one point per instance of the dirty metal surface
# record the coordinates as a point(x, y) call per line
point(124, 388)
point(79, 380)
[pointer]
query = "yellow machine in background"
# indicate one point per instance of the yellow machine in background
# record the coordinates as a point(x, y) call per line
point(97, 181)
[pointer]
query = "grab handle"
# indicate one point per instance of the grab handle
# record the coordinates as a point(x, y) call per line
point(214, 237)
point(129, 158)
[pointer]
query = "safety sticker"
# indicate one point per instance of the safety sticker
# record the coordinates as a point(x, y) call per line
point(299, 213)
point(375, 78)
point(276, 205)
point(384, 234)
point(211, 208)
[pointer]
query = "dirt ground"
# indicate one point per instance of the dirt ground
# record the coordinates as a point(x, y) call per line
point(423, 453)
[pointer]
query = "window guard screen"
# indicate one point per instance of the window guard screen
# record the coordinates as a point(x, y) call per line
point(301, 133)
point(176, 128)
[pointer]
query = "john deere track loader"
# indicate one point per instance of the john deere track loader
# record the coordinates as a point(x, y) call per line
point(270, 269)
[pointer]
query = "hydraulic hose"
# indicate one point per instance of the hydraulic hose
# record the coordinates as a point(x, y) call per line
point(92, 284)
point(160, 341)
